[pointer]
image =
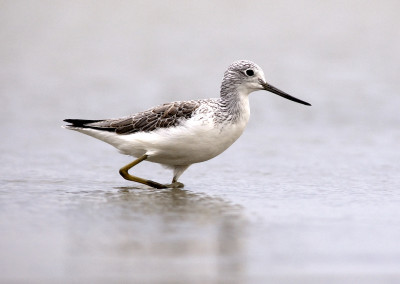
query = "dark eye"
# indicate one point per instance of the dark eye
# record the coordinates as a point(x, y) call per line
point(249, 72)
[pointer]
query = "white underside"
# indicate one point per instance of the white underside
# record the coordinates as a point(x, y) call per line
point(197, 140)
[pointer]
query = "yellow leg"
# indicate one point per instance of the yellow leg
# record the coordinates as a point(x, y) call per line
point(124, 173)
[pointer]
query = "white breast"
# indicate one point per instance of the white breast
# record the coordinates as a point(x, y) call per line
point(197, 140)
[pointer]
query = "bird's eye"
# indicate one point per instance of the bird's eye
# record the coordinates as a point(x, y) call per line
point(249, 72)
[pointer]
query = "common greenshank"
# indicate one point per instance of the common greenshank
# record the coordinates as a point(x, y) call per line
point(182, 133)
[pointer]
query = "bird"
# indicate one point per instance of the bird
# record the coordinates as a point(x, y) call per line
point(181, 133)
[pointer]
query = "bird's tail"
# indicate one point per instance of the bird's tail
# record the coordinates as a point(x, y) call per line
point(86, 124)
point(82, 123)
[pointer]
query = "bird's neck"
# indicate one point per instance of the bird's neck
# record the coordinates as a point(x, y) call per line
point(235, 104)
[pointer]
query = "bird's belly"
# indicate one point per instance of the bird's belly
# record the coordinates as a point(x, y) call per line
point(183, 145)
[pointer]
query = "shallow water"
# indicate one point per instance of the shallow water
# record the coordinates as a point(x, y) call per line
point(306, 195)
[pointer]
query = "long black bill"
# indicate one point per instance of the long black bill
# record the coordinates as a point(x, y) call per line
point(274, 90)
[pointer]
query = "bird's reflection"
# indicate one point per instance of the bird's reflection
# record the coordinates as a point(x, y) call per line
point(153, 229)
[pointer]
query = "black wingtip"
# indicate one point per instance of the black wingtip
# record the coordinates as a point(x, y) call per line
point(80, 122)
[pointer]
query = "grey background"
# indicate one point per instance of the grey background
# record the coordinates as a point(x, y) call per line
point(307, 194)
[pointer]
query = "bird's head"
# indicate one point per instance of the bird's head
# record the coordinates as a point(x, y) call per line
point(244, 77)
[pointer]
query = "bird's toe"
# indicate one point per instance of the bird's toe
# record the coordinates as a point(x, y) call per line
point(176, 184)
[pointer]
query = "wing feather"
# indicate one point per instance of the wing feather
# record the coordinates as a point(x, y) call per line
point(163, 116)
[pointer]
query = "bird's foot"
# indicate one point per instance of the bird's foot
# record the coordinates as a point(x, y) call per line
point(175, 184)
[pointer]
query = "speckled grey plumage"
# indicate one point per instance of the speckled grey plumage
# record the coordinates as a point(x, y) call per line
point(163, 116)
point(224, 109)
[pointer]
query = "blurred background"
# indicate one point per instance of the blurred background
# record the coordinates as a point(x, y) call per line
point(307, 194)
